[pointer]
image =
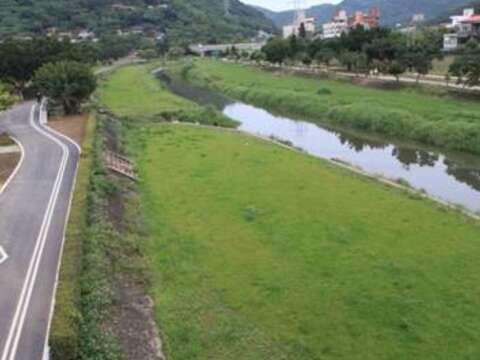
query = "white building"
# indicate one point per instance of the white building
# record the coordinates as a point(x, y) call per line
point(337, 26)
point(450, 42)
point(458, 19)
point(294, 28)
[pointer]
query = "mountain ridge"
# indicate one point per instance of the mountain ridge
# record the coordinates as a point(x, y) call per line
point(183, 21)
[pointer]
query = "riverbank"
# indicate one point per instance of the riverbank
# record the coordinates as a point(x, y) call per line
point(259, 252)
point(410, 114)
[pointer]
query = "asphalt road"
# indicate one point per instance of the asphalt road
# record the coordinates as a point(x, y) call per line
point(34, 209)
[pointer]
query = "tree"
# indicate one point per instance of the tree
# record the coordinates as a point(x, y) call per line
point(276, 50)
point(419, 60)
point(67, 82)
point(302, 32)
point(324, 56)
point(466, 66)
point(19, 59)
point(258, 56)
point(396, 68)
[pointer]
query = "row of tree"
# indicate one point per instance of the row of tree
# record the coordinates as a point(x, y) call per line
point(361, 50)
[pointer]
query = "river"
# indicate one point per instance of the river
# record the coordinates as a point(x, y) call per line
point(453, 177)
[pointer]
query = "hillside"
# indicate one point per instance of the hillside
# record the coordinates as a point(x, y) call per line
point(393, 11)
point(444, 16)
point(182, 20)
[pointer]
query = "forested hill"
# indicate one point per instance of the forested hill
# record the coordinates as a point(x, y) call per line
point(393, 11)
point(182, 20)
point(445, 16)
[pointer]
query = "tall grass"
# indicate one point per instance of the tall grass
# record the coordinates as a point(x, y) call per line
point(443, 122)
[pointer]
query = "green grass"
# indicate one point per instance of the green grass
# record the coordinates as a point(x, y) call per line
point(258, 252)
point(134, 92)
point(64, 336)
point(409, 113)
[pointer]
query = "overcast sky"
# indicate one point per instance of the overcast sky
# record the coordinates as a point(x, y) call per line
point(278, 5)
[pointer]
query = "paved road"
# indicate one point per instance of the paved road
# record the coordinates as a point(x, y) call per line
point(33, 212)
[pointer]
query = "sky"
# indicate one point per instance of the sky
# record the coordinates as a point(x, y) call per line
point(279, 5)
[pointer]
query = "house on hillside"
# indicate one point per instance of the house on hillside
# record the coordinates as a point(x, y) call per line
point(462, 29)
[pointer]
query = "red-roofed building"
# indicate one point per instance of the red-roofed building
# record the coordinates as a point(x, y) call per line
point(464, 28)
point(342, 23)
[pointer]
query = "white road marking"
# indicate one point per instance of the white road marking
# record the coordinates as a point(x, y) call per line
point(46, 350)
point(3, 255)
point(16, 327)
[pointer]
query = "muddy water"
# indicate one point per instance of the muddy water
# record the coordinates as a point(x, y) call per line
point(449, 176)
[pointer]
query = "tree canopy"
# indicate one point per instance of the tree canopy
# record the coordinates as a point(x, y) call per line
point(67, 82)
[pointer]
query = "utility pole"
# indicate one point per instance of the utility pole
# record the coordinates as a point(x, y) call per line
point(299, 9)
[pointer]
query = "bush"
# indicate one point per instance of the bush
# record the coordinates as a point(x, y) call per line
point(324, 91)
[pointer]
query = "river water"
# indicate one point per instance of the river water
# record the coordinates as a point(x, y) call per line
point(453, 177)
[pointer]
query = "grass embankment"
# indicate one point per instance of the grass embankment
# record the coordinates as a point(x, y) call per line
point(257, 252)
point(65, 325)
point(408, 113)
point(134, 92)
point(263, 253)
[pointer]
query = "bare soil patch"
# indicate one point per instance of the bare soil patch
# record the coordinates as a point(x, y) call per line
point(132, 317)
point(73, 126)
point(8, 160)
point(5, 140)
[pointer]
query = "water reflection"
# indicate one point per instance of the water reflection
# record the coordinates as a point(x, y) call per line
point(450, 176)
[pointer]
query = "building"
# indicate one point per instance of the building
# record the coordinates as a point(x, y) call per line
point(368, 20)
point(337, 26)
point(450, 42)
point(418, 19)
point(294, 28)
point(463, 28)
point(342, 23)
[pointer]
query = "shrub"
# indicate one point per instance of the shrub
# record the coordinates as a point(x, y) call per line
point(324, 91)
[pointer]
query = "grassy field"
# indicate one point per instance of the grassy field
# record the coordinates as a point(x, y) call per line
point(258, 252)
point(134, 92)
point(407, 113)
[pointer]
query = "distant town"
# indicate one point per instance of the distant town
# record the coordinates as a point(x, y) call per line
point(458, 31)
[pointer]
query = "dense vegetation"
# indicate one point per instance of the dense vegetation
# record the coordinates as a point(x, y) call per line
point(407, 113)
point(6, 99)
point(393, 11)
point(57, 69)
point(182, 20)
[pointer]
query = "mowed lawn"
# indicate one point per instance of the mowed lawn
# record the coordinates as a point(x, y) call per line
point(135, 92)
point(258, 252)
